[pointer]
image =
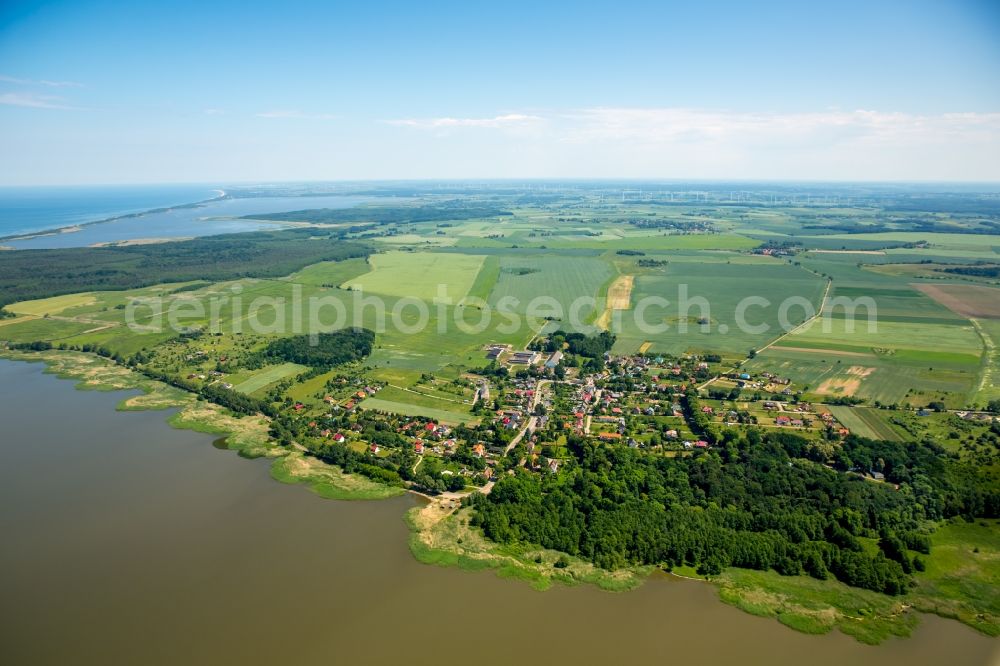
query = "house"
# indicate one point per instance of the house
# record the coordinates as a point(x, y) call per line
point(373, 448)
point(479, 450)
point(339, 438)
point(554, 359)
point(553, 466)
point(328, 399)
point(782, 421)
point(701, 444)
point(670, 434)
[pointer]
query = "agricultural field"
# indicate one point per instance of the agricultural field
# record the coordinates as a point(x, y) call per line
point(711, 293)
point(966, 300)
point(54, 305)
point(925, 347)
point(864, 421)
point(419, 274)
point(558, 277)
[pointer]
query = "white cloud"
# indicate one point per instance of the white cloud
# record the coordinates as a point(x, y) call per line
point(41, 82)
point(680, 125)
point(675, 142)
point(299, 115)
point(33, 101)
point(496, 122)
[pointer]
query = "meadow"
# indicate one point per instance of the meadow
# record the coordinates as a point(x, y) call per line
point(268, 376)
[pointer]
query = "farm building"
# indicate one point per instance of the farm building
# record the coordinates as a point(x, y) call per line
point(524, 357)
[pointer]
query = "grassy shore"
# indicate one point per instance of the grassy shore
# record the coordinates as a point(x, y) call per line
point(328, 481)
point(441, 535)
point(246, 435)
point(961, 582)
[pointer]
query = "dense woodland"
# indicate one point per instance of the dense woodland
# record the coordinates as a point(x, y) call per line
point(30, 274)
point(386, 214)
point(323, 350)
point(754, 501)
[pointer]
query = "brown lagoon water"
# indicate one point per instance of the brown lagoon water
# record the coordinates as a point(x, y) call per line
point(127, 542)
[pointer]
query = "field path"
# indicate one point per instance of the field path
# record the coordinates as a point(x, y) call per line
point(990, 354)
point(819, 313)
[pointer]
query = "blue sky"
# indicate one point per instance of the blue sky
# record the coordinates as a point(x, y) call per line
point(114, 92)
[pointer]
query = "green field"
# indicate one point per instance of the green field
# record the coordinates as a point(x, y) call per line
point(330, 273)
point(561, 278)
point(268, 376)
point(720, 287)
point(864, 421)
point(54, 305)
point(902, 377)
point(419, 275)
point(452, 417)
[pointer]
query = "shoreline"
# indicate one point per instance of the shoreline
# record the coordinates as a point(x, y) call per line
point(247, 436)
point(441, 534)
point(79, 226)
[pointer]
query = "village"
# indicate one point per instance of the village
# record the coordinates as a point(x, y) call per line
point(528, 403)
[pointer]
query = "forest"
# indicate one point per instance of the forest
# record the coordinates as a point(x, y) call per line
point(753, 501)
point(385, 214)
point(31, 274)
point(323, 350)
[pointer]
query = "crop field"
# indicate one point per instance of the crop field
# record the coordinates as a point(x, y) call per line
point(858, 336)
point(486, 279)
point(965, 299)
point(719, 288)
point(924, 348)
point(561, 278)
point(330, 273)
point(864, 421)
point(658, 243)
point(49, 330)
point(914, 377)
point(268, 376)
point(54, 305)
point(419, 274)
